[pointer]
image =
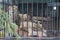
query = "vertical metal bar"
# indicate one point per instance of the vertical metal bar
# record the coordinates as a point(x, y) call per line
point(32, 16)
point(47, 18)
point(42, 16)
point(37, 17)
point(8, 13)
point(8, 8)
point(12, 14)
point(13, 10)
point(17, 15)
point(54, 23)
point(57, 18)
point(3, 4)
point(52, 17)
point(27, 16)
point(2, 12)
point(22, 18)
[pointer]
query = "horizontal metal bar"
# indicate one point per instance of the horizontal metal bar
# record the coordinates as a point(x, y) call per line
point(53, 31)
point(53, 4)
point(36, 37)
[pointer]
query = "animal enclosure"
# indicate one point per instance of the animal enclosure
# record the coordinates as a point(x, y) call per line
point(32, 19)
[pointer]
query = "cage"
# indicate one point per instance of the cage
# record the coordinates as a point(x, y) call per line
point(30, 19)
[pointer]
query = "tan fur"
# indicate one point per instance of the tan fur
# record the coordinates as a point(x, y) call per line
point(25, 18)
point(30, 26)
point(12, 9)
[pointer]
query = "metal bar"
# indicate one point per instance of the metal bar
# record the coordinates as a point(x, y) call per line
point(32, 16)
point(22, 19)
point(37, 17)
point(13, 10)
point(8, 12)
point(17, 15)
point(47, 17)
point(42, 16)
point(27, 16)
point(3, 4)
point(53, 30)
point(52, 19)
point(52, 4)
point(2, 12)
point(55, 22)
point(50, 7)
point(57, 18)
point(7, 6)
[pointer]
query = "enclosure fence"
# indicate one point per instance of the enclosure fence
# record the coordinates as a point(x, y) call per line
point(36, 19)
